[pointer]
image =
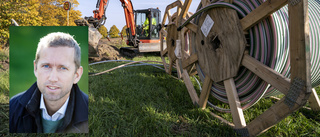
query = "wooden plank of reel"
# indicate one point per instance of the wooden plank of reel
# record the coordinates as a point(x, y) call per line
point(184, 11)
point(269, 75)
point(261, 12)
point(192, 92)
point(171, 44)
point(300, 72)
point(206, 87)
point(234, 103)
point(171, 35)
point(220, 52)
point(189, 61)
point(314, 101)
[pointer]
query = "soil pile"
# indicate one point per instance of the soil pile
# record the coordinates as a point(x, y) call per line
point(108, 50)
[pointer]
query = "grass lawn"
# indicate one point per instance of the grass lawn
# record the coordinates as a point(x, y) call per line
point(145, 101)
point(4, 92)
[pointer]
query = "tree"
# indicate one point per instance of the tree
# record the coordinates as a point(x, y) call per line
point(35, 13)
point(48, 11)
point(103, 31)
point(25, 12)
point(54, 14)
point(124, 31)
point(114, 32)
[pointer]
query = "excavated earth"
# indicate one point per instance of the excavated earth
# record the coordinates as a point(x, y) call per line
point(108, 50)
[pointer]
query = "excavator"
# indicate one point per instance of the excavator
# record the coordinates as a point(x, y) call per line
point(142, 26)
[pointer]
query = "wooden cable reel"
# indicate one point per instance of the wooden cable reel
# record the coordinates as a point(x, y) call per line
point(171, 36)
point(219, 51)
point(167, 48)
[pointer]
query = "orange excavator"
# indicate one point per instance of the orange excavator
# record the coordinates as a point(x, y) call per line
point(142, 25)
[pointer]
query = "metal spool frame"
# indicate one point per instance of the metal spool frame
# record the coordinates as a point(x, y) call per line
point(232, 55)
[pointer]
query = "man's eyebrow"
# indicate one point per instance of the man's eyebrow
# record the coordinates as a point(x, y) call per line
point(44, 63)
point(60, 65)
point(66, 66)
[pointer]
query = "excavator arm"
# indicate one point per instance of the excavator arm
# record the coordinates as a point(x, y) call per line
point(128, 11)
point(131, 27)
point(98, 18)
point(101, 9)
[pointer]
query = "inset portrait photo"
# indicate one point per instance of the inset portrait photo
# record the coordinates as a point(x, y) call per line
point(48, 79)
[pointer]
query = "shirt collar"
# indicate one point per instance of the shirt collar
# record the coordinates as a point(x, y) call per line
point(56, 116)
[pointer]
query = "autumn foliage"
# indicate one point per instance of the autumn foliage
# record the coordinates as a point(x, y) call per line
point(123, 31)
point(103, 31)
point(114, 32)
point(35, 13)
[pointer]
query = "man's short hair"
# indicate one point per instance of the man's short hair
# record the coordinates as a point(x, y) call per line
point(60, 39)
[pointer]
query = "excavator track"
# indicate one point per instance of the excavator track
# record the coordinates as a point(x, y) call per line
point(129, 51)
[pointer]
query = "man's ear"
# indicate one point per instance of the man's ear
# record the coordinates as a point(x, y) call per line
point(35, 68)
point(78, 75)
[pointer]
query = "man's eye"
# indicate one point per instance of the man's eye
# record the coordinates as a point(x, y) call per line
point(45, 66)
point(63, 68)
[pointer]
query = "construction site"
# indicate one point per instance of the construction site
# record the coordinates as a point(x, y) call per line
point(230, 68)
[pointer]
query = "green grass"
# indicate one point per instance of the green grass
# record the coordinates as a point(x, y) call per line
point(145, 101)
point(4, 93)
point(4, 86)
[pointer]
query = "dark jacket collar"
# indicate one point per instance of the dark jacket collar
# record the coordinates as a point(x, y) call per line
point(31, 99)
point(33, 105)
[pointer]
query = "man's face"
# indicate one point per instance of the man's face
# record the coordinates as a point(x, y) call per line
point(56, 72)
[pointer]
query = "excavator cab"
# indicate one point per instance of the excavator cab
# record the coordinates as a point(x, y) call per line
point(147, 32)
point(147, 36)
point(147, 22)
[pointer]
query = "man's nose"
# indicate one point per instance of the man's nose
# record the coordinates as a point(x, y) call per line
point(53, 77)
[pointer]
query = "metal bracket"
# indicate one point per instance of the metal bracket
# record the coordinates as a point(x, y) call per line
point(294, 2)
point(242, 132)
point(295, 88)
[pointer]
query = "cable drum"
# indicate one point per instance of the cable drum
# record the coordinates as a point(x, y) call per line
point(268, 43)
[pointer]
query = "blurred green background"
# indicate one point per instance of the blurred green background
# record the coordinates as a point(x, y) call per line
point(23, 46)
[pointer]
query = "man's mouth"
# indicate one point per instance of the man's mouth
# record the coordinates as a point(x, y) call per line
point(52, 87)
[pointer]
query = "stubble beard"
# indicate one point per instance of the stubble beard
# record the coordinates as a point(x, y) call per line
point(52, 97)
